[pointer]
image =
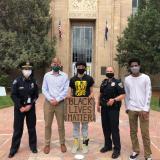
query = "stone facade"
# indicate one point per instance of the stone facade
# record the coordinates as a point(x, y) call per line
point(96, 12)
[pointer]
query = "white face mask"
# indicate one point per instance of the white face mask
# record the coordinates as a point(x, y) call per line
point(135, 69)
point(26, 73)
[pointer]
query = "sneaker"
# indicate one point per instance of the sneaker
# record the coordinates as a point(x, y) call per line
point(133, 156)
point(149, 158)
point(85, 146)
point(75, 145)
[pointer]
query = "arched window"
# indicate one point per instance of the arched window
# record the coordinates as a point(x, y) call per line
point(134, 6)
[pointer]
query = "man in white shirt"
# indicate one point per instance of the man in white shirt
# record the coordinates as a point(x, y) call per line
point(137, 100)
point(55, 87)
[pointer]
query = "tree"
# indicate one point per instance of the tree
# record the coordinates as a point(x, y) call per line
point(24, 26)
point(142, 4)
point(141, 38)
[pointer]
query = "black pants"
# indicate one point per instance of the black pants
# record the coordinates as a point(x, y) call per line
point(110, 125)
point(18, 128)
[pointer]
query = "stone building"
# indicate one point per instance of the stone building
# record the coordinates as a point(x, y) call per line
point(80, 27)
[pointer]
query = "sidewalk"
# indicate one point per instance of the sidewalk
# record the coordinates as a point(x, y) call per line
point(95, 132)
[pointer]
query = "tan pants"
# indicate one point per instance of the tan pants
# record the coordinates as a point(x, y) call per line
point(144, 125)
point(49, 112)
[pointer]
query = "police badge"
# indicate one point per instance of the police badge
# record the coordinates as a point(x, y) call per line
point(113, 84)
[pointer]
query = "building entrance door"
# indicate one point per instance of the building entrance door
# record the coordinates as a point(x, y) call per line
point(82, 46)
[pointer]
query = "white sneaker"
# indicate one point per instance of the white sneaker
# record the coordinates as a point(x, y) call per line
point(133, 156)
point(75, 146)
point(85, 146)
point(149, 158)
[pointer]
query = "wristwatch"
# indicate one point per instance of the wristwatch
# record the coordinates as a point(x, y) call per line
point(115, 100)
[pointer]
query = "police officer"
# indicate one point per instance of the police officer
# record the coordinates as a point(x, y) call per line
point(109, 103)
point(24, 94)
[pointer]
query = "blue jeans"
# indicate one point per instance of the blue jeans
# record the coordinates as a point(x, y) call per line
point(76, 129)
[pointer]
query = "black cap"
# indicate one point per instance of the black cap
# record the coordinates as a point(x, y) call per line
point(83, 63)
point(25, 65)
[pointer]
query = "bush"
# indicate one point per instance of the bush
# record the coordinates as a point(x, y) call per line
point(5, 80)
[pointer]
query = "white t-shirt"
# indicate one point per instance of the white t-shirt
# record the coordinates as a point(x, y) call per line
point(138, 92)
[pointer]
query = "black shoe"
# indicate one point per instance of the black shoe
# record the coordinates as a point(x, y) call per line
point(11, 154)
point(34, 150)
point(105, 149)
point(115, 154)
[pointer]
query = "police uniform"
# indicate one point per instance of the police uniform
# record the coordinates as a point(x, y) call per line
point(24, 92)
point(110, 114)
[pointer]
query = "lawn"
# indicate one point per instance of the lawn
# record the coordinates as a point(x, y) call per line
point(155, 103)
point(5, 101)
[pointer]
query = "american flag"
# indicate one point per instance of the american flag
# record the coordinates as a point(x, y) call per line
point(106, 33)
point(60, 29)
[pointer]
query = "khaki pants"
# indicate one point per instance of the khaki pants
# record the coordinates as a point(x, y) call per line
point(144, 125)
point(49, 112)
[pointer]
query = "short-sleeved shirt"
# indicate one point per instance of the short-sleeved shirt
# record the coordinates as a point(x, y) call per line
point(81, 86)
point(111, 89)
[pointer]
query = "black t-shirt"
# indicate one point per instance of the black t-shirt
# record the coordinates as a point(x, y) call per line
point(81, 86)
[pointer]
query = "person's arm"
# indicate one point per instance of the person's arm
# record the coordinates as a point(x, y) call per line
point(127, 95)
point(45, 89)
point(148, 93)
point(69, 93)
point(91, 92)
point(63, 94)
point(36, 93)
point(71, 87)
point(120, 96)
point(14, 94)
point(98, 103)
point(91, 83)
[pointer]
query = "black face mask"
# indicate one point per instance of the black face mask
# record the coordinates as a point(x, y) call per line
point(110, 75)
point(81, 71)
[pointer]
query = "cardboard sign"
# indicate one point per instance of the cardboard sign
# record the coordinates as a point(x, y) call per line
point(80, 109)
point(2, 91)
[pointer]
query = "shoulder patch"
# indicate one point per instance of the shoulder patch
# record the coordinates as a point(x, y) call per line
point(14, 82)
point(104, 80)
point(120, 84)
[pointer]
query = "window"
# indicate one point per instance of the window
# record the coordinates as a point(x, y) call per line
point(82, 43)
point(134, 6)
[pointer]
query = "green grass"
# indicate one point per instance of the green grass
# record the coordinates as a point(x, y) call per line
point(5, 101)
point(155, 103)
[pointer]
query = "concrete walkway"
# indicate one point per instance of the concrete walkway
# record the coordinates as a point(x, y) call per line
point(95, 132)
